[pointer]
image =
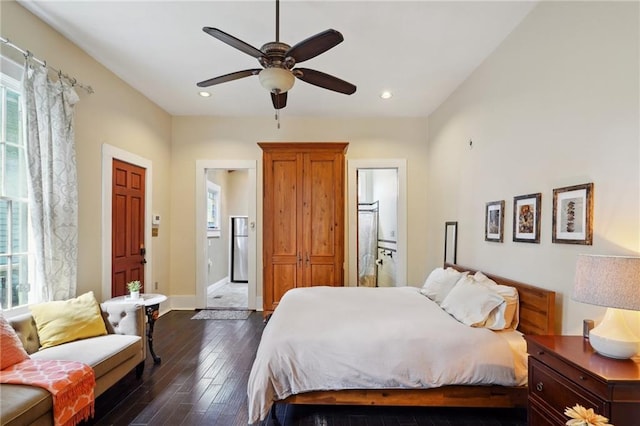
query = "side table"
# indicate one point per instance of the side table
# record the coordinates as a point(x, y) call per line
point(151, 302)
point(565, 371)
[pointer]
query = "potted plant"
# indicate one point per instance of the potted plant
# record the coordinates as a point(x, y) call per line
point(134, 289)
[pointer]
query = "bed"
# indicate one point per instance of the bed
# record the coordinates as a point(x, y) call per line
point(295, 364)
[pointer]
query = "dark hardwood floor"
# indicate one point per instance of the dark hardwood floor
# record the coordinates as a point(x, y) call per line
point(203, 376)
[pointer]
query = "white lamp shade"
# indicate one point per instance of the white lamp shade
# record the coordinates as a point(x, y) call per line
point(276, 79)
point(611, 281)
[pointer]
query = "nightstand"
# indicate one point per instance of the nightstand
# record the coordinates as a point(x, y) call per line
point(565, 371)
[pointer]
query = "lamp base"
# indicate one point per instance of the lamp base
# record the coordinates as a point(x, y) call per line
point(613, 338)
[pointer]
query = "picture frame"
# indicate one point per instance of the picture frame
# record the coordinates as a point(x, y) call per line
point(573, 214)
point(526, 218)
point(494, 221)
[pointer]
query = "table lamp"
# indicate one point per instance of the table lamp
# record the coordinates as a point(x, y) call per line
point(614, 282)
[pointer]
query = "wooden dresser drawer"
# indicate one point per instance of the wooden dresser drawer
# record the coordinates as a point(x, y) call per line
point(581, 378)
point(550, 389)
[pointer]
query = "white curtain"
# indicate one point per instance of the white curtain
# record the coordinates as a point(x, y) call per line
point(52, 176)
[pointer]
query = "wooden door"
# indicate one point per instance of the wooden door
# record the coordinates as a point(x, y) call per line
point(303, 215)
point(323, 214)
point(127, 225)
point(281, 237)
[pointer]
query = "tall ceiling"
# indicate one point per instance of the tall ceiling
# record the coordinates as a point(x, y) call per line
point(419, 50)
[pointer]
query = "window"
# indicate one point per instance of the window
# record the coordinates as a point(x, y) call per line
point(14, 214)
point(213, 209)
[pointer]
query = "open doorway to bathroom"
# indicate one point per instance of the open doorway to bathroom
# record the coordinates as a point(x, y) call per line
point(377, 227)
point(227, 239)
point(377, 222)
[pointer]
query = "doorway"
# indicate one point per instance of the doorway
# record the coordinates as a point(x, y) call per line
point(110, 154)
point(227, 238)
point(377, 227)
point(226, 277)
point(127, 226)
point(377, 223)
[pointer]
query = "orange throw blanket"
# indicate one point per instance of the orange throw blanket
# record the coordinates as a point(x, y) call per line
point(71, 385)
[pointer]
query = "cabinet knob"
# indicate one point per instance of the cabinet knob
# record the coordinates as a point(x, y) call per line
point(540, 352)
point(581, 377)
point(539, 386)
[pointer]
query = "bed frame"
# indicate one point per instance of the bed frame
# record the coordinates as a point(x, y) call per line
point(537, 316)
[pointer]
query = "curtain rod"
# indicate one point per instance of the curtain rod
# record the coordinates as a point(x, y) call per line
point(26, 54)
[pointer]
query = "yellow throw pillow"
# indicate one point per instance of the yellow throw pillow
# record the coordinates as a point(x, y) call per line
point(64, 321)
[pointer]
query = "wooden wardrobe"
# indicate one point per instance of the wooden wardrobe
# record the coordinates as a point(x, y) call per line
point(303, 217)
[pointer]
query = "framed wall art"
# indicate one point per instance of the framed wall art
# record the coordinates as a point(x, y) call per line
point(526, 218)
point(573, 214)
point(494, 221)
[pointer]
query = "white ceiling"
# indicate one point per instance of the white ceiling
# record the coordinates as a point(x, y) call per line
point(419, 50)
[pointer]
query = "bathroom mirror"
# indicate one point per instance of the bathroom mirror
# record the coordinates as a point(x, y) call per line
point(450, 242)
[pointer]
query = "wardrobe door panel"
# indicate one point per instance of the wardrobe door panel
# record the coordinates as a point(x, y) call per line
point(284, 216)
point(323, 275)
point(320, 204)
point(284, 279)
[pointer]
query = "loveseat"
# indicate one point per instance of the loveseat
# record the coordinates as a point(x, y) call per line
point(111, 356)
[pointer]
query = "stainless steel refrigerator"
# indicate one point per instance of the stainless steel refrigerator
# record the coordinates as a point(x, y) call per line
point(239, 246)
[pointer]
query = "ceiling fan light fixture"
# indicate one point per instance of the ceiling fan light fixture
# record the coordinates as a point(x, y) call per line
point(276, 79)
point(386, 95)
point(204, 94)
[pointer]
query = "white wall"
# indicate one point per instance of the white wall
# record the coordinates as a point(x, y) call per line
point(224, 138)
point(555, 105)
point(238, 195)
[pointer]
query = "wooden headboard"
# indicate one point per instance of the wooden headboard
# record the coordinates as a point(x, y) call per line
point(537, 305)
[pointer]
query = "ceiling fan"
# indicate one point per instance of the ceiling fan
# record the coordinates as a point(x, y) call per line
point(278, 60)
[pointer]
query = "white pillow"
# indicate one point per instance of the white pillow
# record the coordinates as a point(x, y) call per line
point(440, 282)
point(471, 304)
point(508, 315)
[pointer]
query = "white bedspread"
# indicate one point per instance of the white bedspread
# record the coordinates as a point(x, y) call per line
point(328, 338)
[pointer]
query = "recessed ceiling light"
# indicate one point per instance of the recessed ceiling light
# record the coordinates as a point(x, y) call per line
point(386, 95)
point(204, 94)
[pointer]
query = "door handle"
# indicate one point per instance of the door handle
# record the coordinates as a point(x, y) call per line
point(299, 259)
point(307, 259)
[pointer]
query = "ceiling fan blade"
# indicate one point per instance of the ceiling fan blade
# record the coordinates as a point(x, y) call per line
point(325, 81)
point(279, 101)
point(228, 77)
point(315, 45)
point(233, 42)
